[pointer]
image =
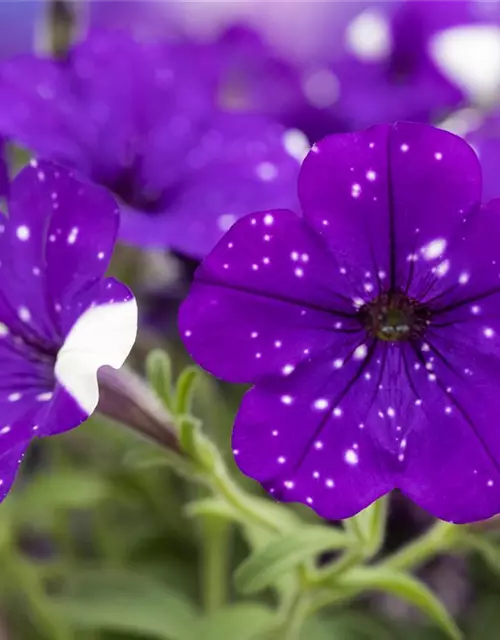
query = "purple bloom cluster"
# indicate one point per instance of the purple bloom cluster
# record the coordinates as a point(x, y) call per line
point(137, 119)
point(60, 320)
point(368, 328)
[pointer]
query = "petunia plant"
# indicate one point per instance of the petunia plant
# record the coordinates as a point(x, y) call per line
point(367, 327)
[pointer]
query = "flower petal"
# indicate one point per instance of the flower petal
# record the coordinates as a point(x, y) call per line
point(57, 240)
point(451, 466)
point(102, 335)
point(238, 166)
point(358, 190)
point(9, 465)
point(269, 292)
point(323, 436)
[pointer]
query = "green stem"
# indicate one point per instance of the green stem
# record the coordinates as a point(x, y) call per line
point(215, 566)
point(440, 537)
point(295, 617)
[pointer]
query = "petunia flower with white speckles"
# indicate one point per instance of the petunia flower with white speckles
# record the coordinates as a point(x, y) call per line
point(392, 385)
point(60, 320)
point(140, 118)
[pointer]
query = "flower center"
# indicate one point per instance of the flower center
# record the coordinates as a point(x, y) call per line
point(394, 317)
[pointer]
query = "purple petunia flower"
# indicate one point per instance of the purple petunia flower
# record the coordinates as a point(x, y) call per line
point(386, 71)
point(60, 320)
point(138, 119)
point(485, 140)
point(250, 76)
point(369, 328)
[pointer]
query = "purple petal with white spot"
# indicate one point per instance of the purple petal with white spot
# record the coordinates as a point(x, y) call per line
point(265, 297)
point(358, 190)
point(51, 271)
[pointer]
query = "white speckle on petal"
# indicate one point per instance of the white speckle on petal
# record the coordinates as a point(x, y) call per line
point(434, 249)
point(351, 457)
point(23, 232)
point(321, 404)
point(318, 445)
point(404, 147)
point(24, 314)
point(4, 430)
point(44, 397)
point(443, 268)
point(337, 412)
point(281, 460)
point(488, 332)
point(4, 330)
point(299, 272)
point(266, 171)
point(463, 278)
point(268, 219)
point(287, 369)
point(371, 175)
point(360, 352)
point(286, 400)
point(438, 155)
point(72, 236)
point(338, 363)
point(329, 483)
point(356, 190)
point(14, 397)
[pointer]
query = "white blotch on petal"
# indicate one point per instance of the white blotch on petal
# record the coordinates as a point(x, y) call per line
point(438, 155)
point(286, 400)
point(329, 483)
point(463, 278)
point(4, 330)
point(14, 397)
point(338, 363)
point(268, 219)
point(4, 430)
point(488, 332)
point(102, 335)
point(337, 412)
point(404, 147)
point(287, 369)
point(371, 175)
point(23, 232)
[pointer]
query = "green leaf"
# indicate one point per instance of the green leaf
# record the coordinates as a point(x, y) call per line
point(283, 554)
point(368, 527)
point(185, 389)
point(197, 445)
point(242, 621)
point(403, 586)
point(59, 490)
point(159, 374)
point(127, 602)
point(347, 625)
point(489, 551)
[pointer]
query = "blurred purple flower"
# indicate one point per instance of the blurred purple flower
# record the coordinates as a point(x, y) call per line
point(60, 320)
point(4, 172)
point(249, 76)
point(17, 25)
point(138, 119)
point(369, 328)
point(386, 72)
point(485, 140)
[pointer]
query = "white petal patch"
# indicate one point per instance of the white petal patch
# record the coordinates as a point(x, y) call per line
point(470, 56)
point(102, 335)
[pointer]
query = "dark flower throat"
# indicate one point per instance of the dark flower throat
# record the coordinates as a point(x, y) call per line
point(394, 317)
